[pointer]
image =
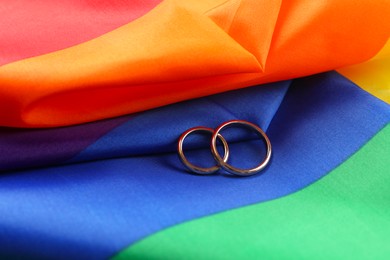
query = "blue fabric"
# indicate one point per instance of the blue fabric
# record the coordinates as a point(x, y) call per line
point(93, 210)
point(157, 130)
point(27, 148)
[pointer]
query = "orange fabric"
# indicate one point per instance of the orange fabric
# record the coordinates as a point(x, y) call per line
point(188, 49)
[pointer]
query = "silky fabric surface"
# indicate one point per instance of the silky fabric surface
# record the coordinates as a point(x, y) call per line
point(93, 210)
point(187, 49)
point(373, 75)
point(25, 148)
point(347, 213)
point(143, 133)
point(181, 50)
point(32, 28)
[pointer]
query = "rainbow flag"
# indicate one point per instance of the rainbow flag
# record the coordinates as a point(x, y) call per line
point(94, 96)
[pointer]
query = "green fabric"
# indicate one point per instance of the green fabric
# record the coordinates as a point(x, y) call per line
point(345, 215)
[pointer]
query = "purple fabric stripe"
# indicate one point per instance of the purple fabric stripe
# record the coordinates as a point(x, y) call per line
point(22, 148)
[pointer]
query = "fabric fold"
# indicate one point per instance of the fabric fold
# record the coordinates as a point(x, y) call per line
point(145, 133)
point(180, 51)
point(251, 23)
point(373, 75)
point(304, 222)
point(95, 209)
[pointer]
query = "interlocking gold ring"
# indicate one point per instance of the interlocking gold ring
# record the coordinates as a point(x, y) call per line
point(194, 168)
point(231, 169)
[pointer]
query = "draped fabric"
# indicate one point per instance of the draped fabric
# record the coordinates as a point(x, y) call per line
point(182, 50)
point(94, 94)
